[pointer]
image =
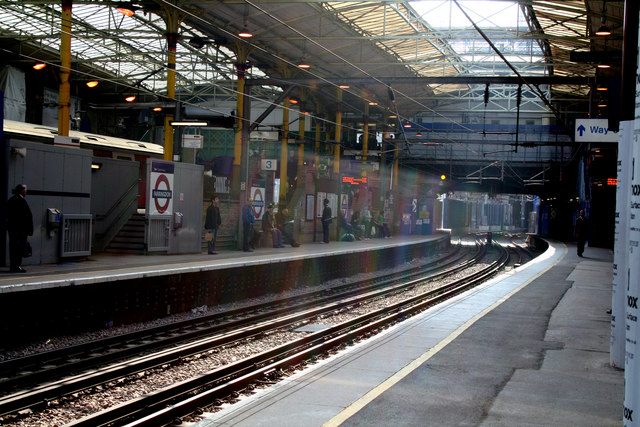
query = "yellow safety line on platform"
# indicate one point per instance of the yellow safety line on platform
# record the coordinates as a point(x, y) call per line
point(356, 406)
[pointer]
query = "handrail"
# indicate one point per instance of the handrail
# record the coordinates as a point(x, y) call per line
point(115, 205)
point(117, 218)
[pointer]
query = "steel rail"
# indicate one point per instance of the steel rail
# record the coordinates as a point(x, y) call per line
point(172, 403)
point(241, 329)
point(45, 366)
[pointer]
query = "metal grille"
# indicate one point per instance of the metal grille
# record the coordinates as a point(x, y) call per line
point(222, 185)
point(157, 233)
point(76, 235)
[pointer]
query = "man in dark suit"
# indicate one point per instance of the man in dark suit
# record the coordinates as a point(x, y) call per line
point(326, 220)
point(19, 226)
point(582, 231)
point(212, 223)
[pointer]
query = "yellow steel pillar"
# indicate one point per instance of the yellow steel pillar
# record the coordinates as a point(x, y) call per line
point(284, 154)
point(365, 138)
point(336, 153)
point(172, 20)
point(301, 123)
point(396, 154)
point(316, 150)
point(241, 69)
point(64, 94)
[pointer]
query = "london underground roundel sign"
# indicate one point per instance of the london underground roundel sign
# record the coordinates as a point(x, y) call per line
point(161, 188)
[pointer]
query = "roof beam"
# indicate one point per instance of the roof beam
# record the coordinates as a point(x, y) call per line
point(478, 80)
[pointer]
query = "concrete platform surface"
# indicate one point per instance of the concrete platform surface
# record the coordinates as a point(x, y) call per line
point(99, 268)
point(529, 348)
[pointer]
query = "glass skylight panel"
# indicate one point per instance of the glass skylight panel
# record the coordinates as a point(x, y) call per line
point(500, 19)
point(133, 48)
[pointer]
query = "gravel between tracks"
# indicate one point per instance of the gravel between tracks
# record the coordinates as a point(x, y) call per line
point(77, 406)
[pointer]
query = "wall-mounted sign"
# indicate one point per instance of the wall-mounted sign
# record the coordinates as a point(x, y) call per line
point(192, 141)
point(269, 165)
point(161, 182)
point(353, 180)
point(594, 130)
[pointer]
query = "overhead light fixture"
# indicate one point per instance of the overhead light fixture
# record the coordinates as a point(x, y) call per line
point(293, 101)
point(130, 98)
point(304, 65)
point(602, 88)
point(393, 116)
point(157, 109)
point(373, 103)
point(419, 133)
point(39, 66)
point(96, 166)
point(407, 124)
point(188, 123)
point(602, 103)
point(92, 83)
point(127, 9)
point(245, 33)
point(604, 65)
point(603, 31)
point(344, 86)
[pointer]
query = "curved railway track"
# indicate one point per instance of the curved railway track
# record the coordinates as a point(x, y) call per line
point(228, 379)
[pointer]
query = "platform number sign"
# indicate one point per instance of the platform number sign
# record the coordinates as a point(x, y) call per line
point(269, 165)
point(161, 188)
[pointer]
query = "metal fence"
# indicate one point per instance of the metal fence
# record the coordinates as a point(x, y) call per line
point(75, 239)
point(157, 233)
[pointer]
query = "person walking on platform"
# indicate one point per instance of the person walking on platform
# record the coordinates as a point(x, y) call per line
point(19, 226)
point(268, 225)
point(285, 225)
point(582, 231)
point(326, 220)
point(212, 223)
point(248, 219)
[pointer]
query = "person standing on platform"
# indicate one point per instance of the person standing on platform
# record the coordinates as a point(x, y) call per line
point(285, 225)
point(326, 220)
point(268, 225)
point(582, 231)
point(248, 219)
point(212, 223)
point(356, 227)
point(19, 226)
point(366, 220)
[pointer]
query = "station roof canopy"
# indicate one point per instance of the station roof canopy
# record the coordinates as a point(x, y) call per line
point(394, 55)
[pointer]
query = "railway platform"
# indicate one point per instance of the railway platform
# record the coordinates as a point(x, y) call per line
point(114, 290)
point(108, 267)
point(530, 347)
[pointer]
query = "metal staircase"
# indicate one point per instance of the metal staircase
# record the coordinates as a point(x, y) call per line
point(130, 238)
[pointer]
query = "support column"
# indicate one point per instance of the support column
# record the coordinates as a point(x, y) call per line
point(365, 136)
point(631, 411)
point(316, 151)
point(284, 154)
point(301, 136)
point(396, 155)
point(338, 135)
point(241, 69)
point(172, 20)
point(64, 92)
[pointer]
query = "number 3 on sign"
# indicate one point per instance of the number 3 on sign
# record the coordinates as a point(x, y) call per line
point(269, 165)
